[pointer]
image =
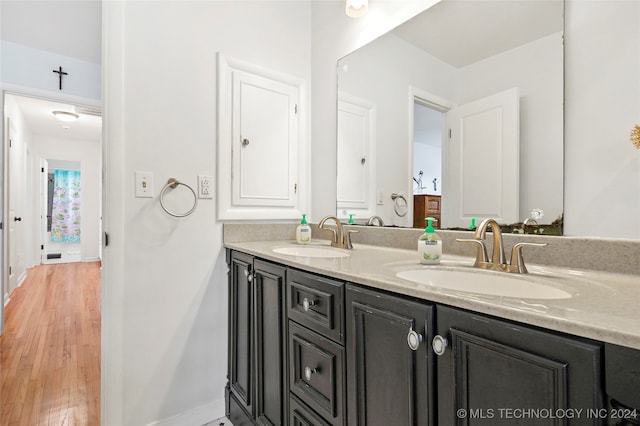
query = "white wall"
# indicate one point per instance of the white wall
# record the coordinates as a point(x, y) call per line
point(165, 293)
point(88, 153)
point(602, 104)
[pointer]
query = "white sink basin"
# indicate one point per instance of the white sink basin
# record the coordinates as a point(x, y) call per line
point(483, 282)
point(312, 251)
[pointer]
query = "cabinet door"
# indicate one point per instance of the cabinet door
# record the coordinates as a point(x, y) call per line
point(496, 372)
point(270, 344)
point(388, 382)
point(241, 330)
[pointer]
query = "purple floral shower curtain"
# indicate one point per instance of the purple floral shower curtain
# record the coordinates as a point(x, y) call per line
point(65, 215)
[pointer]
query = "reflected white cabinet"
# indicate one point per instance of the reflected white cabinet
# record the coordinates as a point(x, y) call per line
point(261, 143)
point(356, 157)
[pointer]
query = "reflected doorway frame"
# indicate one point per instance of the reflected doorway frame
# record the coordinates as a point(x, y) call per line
point(430, 100)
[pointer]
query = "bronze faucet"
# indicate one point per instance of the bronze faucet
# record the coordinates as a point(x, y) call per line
point(498, 260)
point(341, 238)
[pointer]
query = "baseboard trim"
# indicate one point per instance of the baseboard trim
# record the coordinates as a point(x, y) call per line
point(197, 416)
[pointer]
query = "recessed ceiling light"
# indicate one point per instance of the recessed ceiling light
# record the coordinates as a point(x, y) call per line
point(66, 116)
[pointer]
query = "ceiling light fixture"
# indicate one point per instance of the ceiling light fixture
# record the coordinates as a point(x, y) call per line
point(66, 116)
point(356, 8)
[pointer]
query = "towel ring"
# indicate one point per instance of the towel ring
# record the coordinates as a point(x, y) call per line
point(400, 205)
point(173, 183)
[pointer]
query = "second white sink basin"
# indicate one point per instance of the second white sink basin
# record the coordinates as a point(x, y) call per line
point(481, 282)
point(312, 251)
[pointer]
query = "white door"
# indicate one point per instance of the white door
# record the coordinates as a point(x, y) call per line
point(15, 218)
point(264, 141)
point(482, 161)
point(356, 159)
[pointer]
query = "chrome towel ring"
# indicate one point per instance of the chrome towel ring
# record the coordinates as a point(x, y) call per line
point(400, 205)
point(173, 183)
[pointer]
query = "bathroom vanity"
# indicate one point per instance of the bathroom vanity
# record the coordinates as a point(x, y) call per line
point(320, 340)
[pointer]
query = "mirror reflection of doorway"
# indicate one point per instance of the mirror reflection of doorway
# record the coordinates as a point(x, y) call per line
point(63, 212)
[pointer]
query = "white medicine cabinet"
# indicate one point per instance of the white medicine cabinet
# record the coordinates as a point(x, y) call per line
point(262, 144)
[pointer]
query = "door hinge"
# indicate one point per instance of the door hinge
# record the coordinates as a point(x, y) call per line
point(42, 169)
point(449, 133)
point(295, 109)
point(106, 239)
point(1, 225)
point(41, 246)
point(295, 188)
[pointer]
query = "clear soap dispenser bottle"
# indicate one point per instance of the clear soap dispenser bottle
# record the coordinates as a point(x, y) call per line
point(429, 245)
point(303, 231)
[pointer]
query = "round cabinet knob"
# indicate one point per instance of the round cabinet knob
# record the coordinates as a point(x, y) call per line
point(306, 304)
point(439, 345)
point(248, 274)
point(308, 372)
point(414, 339)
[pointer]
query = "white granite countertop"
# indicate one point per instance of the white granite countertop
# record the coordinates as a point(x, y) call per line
point(604, 306)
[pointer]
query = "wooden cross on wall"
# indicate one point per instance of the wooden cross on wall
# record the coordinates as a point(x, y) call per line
point(60, 74)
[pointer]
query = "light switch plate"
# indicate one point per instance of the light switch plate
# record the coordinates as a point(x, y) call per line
point(144, 185)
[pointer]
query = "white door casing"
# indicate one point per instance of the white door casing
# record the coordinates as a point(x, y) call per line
point(356, 158)
point(482, 161)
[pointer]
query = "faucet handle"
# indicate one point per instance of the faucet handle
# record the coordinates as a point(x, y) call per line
point(517, 260)
point(347, 238)
point(481, 253)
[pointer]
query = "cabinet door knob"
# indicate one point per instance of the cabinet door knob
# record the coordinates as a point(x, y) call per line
point(306, 304)
point(439, 345)
point(308, 372)
point(248, 274)
point(414, 339)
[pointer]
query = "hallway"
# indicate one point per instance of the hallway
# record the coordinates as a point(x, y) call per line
point(50, 348)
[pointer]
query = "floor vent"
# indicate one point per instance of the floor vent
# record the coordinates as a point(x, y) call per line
point(54, 255)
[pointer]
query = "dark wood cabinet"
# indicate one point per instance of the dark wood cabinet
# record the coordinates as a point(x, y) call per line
point(257, 341)
point(315, 307)
point(425, 205)
point(389, 383)
point(306, 349)
point(498, 372)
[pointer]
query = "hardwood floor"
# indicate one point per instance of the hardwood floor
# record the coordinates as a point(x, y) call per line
point(50, 348)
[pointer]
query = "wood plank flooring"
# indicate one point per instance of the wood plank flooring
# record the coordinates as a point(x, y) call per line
point(50, 348)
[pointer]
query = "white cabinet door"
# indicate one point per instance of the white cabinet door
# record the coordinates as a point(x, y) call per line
point(261, 148)
point(264, 141)
point(482, 161)
point(356, 159)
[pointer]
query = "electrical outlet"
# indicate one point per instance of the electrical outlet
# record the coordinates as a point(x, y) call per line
point(144, 185)
point(205, 188)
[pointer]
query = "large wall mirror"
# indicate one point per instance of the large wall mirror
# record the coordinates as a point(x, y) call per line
point(457, 113)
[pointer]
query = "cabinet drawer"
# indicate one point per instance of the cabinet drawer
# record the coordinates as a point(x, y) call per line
point(316, 372)
point(301, 415)
point(316, 302)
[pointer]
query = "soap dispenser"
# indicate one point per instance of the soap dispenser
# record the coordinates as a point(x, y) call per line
point(429, 245)
point(303, 231)
point(350, 222)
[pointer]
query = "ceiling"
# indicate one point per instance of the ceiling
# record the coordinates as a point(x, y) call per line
point(39, 118)
point(495, 26)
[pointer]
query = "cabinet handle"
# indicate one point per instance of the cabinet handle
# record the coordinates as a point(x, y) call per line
point(308, 371)
point(306, 303)
point(414, 339)
point(248, 274)
point(439, 345)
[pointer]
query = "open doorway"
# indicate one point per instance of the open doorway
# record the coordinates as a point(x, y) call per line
point(33, 138)
point(61, 211)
